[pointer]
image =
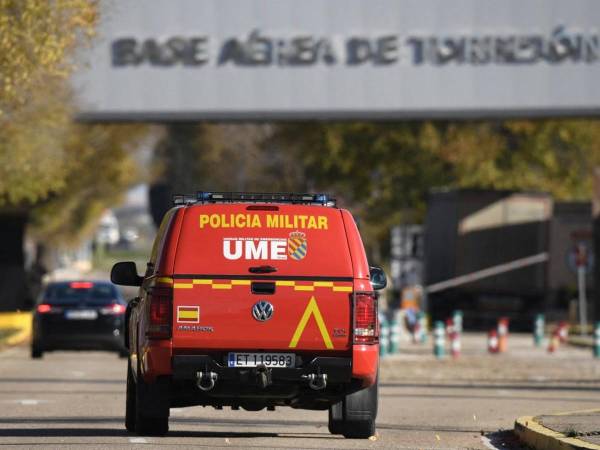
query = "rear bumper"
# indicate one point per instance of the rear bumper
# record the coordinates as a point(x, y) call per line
point(254, 388)
point(338, 370)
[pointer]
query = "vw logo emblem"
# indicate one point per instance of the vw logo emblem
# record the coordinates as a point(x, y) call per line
point(262, 311)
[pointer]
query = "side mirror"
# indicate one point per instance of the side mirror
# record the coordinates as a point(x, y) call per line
point(125, 274)
point(378, 278)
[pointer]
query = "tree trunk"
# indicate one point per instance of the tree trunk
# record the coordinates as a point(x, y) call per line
point(14, 293)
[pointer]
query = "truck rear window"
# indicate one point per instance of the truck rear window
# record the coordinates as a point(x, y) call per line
point(284, 240)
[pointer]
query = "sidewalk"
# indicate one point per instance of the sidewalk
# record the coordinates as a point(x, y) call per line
point(573, 430)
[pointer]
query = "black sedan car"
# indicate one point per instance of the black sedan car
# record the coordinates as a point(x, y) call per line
point(79, 315)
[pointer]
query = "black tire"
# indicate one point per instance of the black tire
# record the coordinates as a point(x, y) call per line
point(354, 417)
point(151, 408)
point(36, 351)
point(130, 400)
point(336, 420)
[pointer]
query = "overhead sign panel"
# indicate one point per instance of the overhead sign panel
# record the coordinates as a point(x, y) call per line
point(339, 59)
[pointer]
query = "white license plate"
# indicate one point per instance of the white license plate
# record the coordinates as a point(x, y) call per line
point(82, 314)
point(266, 359)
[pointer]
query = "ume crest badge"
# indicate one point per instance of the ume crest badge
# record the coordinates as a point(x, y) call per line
point(297, 245)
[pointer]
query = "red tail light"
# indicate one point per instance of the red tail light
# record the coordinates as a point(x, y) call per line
point(44, 308)
point(366, 330)
point(115, 309)
point(161, 301)
point(81, 285)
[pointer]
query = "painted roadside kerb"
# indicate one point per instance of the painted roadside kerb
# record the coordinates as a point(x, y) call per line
point(539, 437)
point(18, 321)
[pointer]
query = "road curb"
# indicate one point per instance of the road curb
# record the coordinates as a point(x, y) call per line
point(19, 323)
point(539, 437)
point(581, 341)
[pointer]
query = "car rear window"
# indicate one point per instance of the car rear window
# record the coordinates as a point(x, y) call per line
point(236, 239)
point(81, 292)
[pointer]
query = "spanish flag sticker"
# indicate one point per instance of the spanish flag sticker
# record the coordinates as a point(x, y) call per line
point(188, 314)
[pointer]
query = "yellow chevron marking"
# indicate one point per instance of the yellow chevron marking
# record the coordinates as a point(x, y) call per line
point(311, 309)
point(183, 285)
point(164, 280)
point(221, 286)
point(203, 281)
point(241, 282)
point(285, 283)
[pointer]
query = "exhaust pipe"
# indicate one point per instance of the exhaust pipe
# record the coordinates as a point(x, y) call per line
point(206, 380)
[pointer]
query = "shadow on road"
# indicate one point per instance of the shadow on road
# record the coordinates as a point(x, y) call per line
point(505, 439)
point(76, 427)
point(111, 432)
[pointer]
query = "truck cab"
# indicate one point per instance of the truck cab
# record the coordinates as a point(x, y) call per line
point(254, 301)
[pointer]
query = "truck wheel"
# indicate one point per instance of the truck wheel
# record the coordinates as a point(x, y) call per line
point(336, 421)
point(354, 417)
point(130, 400)
point(151, 407)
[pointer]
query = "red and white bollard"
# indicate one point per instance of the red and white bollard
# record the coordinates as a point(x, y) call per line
point(503, 334)
point(493, 341)
point(449, 326)
point(563, 332)
point(455, 344)
point(554, 341)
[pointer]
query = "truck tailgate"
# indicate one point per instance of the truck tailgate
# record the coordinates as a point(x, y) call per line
point(300, 315)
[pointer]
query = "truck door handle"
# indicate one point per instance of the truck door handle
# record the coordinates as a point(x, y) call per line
point(262, 269)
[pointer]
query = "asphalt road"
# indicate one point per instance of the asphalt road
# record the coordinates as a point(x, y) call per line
point(76, 400)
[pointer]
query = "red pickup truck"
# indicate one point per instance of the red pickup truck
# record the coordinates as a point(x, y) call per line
point(254, 301)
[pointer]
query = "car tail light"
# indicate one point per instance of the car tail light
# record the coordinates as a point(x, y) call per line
point(81, 285)
point(366, 330)
point(161, 301)
point(115, 309)
point(44, 308)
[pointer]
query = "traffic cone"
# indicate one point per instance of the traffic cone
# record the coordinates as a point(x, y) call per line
point(439, 339)
point(538, 330)
point(563, 331)
point(503, 334)
point(493, 341)
point(554, 342)
point(597, 340)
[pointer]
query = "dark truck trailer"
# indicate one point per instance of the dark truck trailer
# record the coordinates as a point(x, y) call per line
point(470, 230)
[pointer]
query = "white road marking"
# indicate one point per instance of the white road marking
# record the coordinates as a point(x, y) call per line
point(77, 373)
point(28, 401)
point(138, 440)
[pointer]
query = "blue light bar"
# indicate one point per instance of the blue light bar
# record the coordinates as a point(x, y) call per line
point(264, 197)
